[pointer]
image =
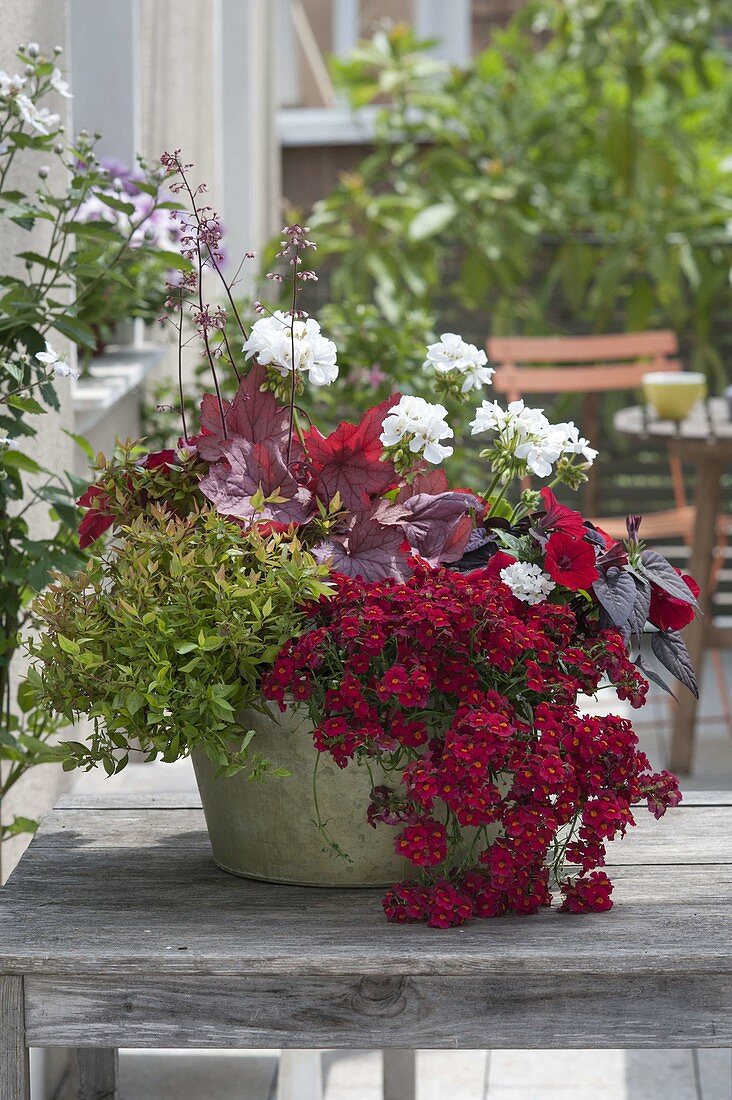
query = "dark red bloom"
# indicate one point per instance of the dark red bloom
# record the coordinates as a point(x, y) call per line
point(560, 518)
point(98, 519)
point(492, 571)
point(669, 612)
point(570, 561)
point(424, 844)
point(587, 894)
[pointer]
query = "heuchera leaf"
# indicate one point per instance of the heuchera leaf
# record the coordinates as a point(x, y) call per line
point(430, 482)
point(617, 593)
point(670, 648)
point(438, 527)
point(247, 469)
point(349, 460)
point(254, 415)
point(662, 573)
point(370, 550)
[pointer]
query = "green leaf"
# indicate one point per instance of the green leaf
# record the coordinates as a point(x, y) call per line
point(431, 220)
point(81, 442)
point(26, 405)
point(68, 646)
point(75, 330)
point(20, 461)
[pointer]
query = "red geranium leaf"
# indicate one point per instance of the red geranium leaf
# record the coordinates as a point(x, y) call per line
point(349, 460)
point(369, 550)
point(431, 482)
point(438, 527)
point(254, 415)
point(248, 468)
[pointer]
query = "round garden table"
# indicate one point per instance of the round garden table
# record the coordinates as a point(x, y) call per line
point(704, 440)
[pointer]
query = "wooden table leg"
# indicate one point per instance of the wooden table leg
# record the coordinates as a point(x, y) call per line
point(300, 1075)
point(400, 1074)
point(97, 1073)
point(14, 1060)
point(708, 475)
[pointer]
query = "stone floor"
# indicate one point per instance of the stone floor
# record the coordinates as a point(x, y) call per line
point(459, 1075)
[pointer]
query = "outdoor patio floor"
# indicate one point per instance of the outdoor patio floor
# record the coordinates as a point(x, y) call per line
point(459, 1075)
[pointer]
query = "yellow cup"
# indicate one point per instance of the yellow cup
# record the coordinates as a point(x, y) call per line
point(674, 394)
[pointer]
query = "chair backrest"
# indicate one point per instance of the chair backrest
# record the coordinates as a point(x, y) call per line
point(578, 364)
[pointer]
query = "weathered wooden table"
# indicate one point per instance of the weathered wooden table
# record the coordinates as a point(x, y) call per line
point(704, 440)
point(118, 930)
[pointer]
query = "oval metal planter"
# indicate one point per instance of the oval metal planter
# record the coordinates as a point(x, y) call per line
point(267, 829)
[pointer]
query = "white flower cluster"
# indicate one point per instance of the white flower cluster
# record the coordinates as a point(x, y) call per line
point(39, 118)
point(10, 85)
point(451, 355)
point(270, 341)
point(51, 358)
point(529, 436)
point(527, 581)
point(420, 425)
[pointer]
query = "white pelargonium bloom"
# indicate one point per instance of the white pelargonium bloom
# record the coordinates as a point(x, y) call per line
point(10, 85)
point(452, 353)
point(527, 581)
point(51, 358)
point(270, 341)
point(575, 444)
point(60, 85)
point(419, 424)
point(531, 437)
point(40, 118)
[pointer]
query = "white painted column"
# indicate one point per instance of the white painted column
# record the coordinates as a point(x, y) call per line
point(345, 25)
point(106, 81)
point(450, 23)
point(247, 140)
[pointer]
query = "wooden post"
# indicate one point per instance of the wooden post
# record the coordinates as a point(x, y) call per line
point(14, 1061)
point(400, 1074)
point(97, 1073)
point(708, 475)
point(300, 1075)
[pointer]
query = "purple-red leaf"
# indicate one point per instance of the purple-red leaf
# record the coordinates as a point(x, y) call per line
point(369, 550)
point(349, 460)
point(254, 415)
point(438, 527)
point(251, 467)
point(670, 648)
point(430, 482)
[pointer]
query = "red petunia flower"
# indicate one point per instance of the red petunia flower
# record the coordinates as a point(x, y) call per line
point(560, 518)
point(669, 612)
point(492, 571)
point(570, 561)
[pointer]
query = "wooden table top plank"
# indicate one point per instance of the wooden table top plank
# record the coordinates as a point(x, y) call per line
point(697, 834)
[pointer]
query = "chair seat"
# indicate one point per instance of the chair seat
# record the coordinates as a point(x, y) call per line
point(672, 523)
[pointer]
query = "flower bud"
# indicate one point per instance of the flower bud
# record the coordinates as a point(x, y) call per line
point(33, 49)
point(43, 172)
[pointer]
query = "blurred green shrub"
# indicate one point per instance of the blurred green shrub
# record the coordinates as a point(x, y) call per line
point(573, 178)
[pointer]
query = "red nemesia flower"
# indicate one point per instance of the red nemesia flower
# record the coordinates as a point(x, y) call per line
point(588, 894)
point(570, 561)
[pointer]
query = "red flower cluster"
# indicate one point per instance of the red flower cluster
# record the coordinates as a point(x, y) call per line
point(471, 696)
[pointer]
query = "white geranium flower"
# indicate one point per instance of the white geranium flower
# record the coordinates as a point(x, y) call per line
point(452, 354)
point(60, 85)
point(527, 582)
point(420, 425)
point(40, 118)
point(10, 85)
point(270, 341)
point(575, 444)
point(51, 358)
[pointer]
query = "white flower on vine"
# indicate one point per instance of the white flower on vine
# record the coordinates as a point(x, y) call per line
point(527, 581)
point(51, 358)
point(421, 425)
point(4, 439)
point(271, 339)
point(40, 118)
point(10, 85)
point(60, 85)
point(452, 354)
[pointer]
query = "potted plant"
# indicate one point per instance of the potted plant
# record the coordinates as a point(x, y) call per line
point(371, 670)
